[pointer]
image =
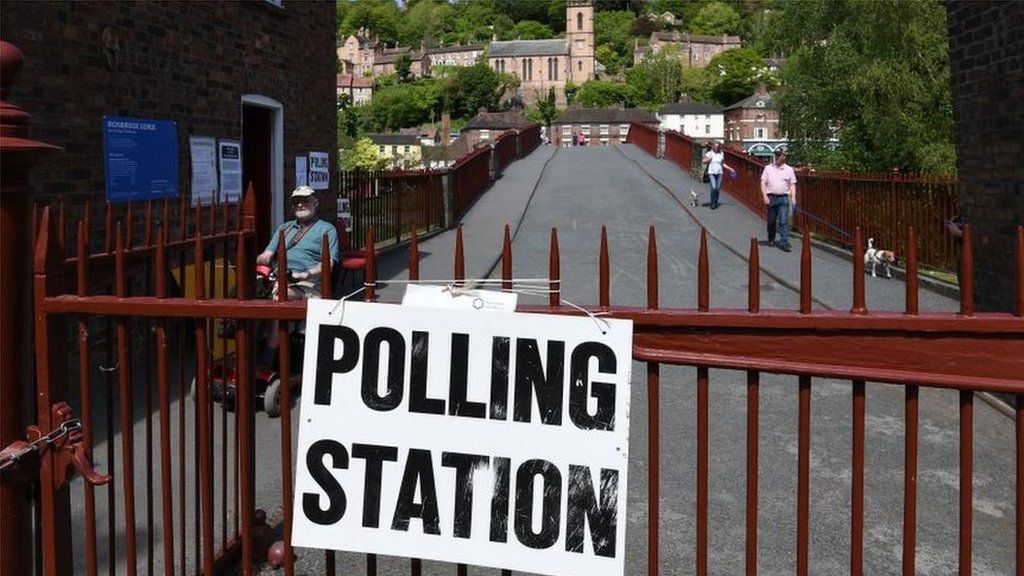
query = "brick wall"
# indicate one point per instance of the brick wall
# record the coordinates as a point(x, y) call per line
point(986, 41)
point(189, 62)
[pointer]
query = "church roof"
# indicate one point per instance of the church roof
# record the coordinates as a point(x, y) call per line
point(512, 48)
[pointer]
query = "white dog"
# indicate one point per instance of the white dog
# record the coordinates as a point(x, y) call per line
point(694, 198)
point(883, 258)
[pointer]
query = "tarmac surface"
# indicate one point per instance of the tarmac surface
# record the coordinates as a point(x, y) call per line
point(578, 190)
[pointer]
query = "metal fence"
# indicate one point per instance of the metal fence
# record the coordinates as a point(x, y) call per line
point(831, 203)
point(392, 202)
point(202, 507)
point(470, 177)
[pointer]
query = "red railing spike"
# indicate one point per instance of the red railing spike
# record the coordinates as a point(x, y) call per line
point(82, 253)
point(414, 257)
point(119, 279)
point(652, 269)
point(460, 259)
point(282, 268)
point(967, 274)
point(859, 306)
point(161, 261)
point(604, 275)
point(703, 274)
point(1020, 281)
point(806, 287)
point(754, 279)
point(554, 271)
point(199, 267)
point(911, 280)
point(506, 260)
point(370, 271)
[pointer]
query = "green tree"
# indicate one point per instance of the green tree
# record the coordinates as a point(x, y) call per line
point(556, 15)
point(736, 74)
point(612, 29)
point(546, 109)
point(715, 19)
point(696, 84)
point(378, 17)
point(609, 58)
point(363, 155)
point(532, 30)
point(570, 91)
point(655, 81)
point(403, 66)
point(472, 88)
point(599, 93)
point(875, 77)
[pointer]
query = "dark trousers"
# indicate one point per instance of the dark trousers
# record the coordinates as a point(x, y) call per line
point(778, 217)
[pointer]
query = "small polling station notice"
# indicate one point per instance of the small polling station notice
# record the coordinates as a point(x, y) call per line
point(491, 439)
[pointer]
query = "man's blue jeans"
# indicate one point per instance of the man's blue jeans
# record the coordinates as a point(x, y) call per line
point(778, 216)
point(716, 186)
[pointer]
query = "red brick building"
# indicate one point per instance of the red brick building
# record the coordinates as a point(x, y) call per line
point(752, 124)
point(258, 71)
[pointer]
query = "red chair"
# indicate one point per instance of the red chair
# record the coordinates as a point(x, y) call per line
point(351, 260)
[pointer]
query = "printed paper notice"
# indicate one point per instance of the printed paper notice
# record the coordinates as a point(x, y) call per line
point(300, 171)
point(203, 150)
point(230, 156)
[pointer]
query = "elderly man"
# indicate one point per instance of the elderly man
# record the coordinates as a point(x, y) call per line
point(778, 191)
point(303, 240)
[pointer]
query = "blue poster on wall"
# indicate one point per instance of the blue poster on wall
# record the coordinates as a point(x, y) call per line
point(140, 158)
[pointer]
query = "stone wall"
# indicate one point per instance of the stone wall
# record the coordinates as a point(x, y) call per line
point(986, 41)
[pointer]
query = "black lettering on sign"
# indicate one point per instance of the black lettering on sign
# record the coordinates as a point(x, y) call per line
point(458, 404)
point(551, 509)
point(530, 375)
point(336, 502)
point(499, 499)
point(418, 400)
point(375, 457)
point(603, 518)
point(419, 471)
point(371, 368)
point(499, 378)
point(465, 466)
point(327, 365)
point(579, 366)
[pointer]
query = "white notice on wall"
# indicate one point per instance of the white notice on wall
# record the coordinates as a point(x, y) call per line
point(300, 171)
point(203, 153)
point(319, 170)
point(230, 156)
point(489, 439)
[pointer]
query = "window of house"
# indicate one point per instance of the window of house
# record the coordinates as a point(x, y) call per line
point(585, 129)
point(579, 65)
point(579, 20)
point(406, 148)
point(394, 150)
point(566, 129)
point(759, 133)
point(525, 77)
point(485, 134)
point(760, 118)
point(604, 129)
point(707, 128)
point(555, 62)
point(381, 149)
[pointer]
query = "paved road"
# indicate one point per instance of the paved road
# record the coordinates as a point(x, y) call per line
point(578, 190)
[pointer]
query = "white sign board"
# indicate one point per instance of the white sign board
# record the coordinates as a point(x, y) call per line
point(229, 153)
point(203, 152)
point(488, 439)
point(319, 170)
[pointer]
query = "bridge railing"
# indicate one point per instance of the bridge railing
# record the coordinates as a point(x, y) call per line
point(505, 149)
point(392, 202)
point(470, 176)
point(832, 203)
point(529, 138)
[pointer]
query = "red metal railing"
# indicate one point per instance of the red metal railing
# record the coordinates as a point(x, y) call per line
point(529, 139)
point(830, 203)
point(644, 137)
point(906, 349)
point(680, 149)
point(392, 202)
point(470, 177)
point(505, 149)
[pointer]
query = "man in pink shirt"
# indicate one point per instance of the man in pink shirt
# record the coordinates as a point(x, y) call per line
point(778, 190)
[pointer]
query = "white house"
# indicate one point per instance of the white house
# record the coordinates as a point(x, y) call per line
point(694, 119)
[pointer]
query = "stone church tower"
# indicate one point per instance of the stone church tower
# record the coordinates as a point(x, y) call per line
point(579, 31)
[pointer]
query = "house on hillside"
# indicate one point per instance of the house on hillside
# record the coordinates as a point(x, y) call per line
point(542, 65)
point(403, 151)
point(693, 50)
point(752, 124)
point(694, 119)
point(488, 126)
point(358, 89)
point(599, 126)
point(457, 55)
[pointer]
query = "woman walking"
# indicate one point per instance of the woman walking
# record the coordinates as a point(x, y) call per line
point(715, 160)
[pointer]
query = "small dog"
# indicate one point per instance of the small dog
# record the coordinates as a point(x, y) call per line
point(883, 258)
point(694, 198)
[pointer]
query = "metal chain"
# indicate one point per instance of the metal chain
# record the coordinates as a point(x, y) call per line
point(42, 443)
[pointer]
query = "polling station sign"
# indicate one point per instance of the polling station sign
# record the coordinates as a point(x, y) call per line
point(488, 439)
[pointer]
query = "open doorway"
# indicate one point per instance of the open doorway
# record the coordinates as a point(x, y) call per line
point(263, 161)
